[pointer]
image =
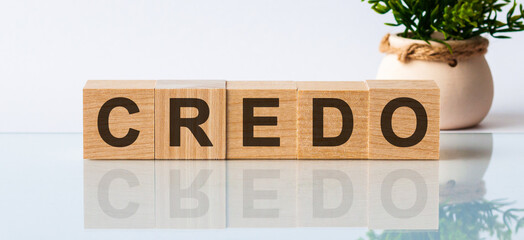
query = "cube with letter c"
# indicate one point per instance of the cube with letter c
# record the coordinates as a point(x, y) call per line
point(119, 119)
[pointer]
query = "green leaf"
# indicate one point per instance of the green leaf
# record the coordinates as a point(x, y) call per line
point(456, 19)
point(393, 24)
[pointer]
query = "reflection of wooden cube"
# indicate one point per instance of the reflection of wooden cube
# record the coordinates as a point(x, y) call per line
point(119, 120)
point(190, 194)
point(332, 193)
point(403, 194)
point(190, 120)
point(332, 120)
point(119, 194)
point(404, 119)
point(261, 193)
point(262, 120)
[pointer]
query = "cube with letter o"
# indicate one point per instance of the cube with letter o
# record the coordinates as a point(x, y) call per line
point(404, 119)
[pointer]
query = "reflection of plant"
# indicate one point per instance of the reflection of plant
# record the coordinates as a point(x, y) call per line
point(465, 221)
point(468, 220)
point(386, 235)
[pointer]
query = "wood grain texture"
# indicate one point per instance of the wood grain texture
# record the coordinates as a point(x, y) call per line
point(286, 114)
point(95, 94)
point(214, 94)
point(120, 84)
point(404, 120)
point(356, 95)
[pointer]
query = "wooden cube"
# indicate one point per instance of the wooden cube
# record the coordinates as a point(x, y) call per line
point(119, 194)
point(261, 120)
point(333, 120)
point(403, 195)
point(119, 119)
point(190, 193)
point(404, 119)
point(190, 120)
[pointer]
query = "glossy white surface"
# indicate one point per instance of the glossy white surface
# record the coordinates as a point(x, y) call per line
point(49, 192)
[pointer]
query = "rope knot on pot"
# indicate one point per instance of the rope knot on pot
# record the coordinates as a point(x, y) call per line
point(461, 50)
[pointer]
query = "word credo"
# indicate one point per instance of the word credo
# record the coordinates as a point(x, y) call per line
point(211, 119)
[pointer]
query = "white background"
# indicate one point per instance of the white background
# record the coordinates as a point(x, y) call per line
point(48, 49)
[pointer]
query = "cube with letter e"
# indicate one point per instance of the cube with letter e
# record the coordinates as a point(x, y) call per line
point(262, 120)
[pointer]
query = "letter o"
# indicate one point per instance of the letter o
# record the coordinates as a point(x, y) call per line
point(387, 127)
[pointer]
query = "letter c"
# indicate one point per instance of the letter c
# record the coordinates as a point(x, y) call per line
point(103, 122)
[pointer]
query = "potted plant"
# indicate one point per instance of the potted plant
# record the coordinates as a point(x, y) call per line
point(442, 41)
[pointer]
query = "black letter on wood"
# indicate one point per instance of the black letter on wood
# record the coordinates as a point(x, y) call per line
point(249, 121)
point(318, 122)
point(176, 122)
point(387, 128)
point(103, 122)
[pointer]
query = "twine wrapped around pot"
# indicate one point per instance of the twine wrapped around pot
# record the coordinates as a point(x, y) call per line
point(437, 52)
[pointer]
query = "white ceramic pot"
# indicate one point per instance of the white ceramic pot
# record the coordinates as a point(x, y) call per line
point(466, 90)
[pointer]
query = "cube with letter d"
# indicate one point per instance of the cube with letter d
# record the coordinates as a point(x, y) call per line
point(333, 120)
point(190, 119)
